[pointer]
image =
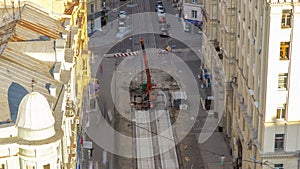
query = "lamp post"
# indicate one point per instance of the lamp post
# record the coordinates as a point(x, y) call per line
point(260, 162)
point(255, 161)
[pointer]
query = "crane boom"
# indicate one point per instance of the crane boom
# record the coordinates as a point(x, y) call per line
point(149, 83)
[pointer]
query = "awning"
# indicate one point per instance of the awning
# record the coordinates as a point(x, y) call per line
point(195, 22)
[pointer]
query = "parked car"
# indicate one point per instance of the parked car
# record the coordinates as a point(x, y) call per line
point(158, 3)
point(160, 8)
point(162, 19)
point(164, 32)
point(160, 14)
point(187, 27)
point(122, 14)
point(121, 22)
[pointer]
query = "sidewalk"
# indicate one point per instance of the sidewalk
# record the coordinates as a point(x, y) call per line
point(213, 149)
point(216, 146)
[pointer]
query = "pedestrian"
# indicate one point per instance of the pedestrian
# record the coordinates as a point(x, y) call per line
point(101, 70)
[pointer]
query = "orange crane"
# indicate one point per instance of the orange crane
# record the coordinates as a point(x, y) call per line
point(149, 83)
point(144, 96)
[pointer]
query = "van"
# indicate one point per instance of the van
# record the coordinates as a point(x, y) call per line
point(179, 100)
point(187, 26)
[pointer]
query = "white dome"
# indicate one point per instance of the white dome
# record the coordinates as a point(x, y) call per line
point(34, 112)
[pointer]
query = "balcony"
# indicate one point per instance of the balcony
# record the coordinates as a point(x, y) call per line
point(70, 108)
point(280, 121)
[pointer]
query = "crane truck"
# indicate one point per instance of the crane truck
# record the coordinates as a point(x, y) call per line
point(145, 94)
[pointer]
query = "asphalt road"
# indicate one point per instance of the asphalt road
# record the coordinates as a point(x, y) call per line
point(103, 70)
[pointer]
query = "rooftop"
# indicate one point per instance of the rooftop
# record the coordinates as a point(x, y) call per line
point(34, 32)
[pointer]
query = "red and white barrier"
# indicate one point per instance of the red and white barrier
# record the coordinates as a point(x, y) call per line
point(125, 54)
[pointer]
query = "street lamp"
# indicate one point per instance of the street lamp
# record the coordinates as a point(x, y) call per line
point(255, 161)
point(259, 162)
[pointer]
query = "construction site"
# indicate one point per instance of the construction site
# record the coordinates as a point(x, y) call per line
point(156, 99)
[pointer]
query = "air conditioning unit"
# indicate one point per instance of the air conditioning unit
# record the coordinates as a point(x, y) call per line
point(253, 41)
point(256, 104)
point(258, 51)
point(251, 92)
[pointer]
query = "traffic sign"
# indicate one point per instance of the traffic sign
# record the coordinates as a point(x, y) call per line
point(169, 48)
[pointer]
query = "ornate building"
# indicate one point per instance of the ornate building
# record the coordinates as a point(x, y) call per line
point(44, 69)
point(262, 119)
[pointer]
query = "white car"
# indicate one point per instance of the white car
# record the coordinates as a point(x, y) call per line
point(122, 14)
point(159, 3)
point(122, 28)
point(121, 22)
point(160, 9)
point(160, 14)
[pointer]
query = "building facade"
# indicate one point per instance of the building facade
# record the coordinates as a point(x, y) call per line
point(34, 142)
point(95, 9)
point(210, 19)
point(262, 120)
point(46, 60)
point(192, 14)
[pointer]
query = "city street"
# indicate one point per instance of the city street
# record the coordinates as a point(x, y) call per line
point(104, 66)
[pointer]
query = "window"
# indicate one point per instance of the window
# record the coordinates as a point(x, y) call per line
point(30, 167)
point(284, 50)
point(46, 166)
point(281, 111)
point(278, 166)
point(282, 80)
point(194, 14)
point(279, 141)
point(286, 18)
point(248, 50)
point(2, 166)
point(239, 113)
point(194, 1)
point(249, 20)
point(244, 124)
point(92, 8)
point(255, 27)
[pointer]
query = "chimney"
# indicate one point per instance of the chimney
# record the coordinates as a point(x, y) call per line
point(52, 89)
point(57, 71)
point(60, 45)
